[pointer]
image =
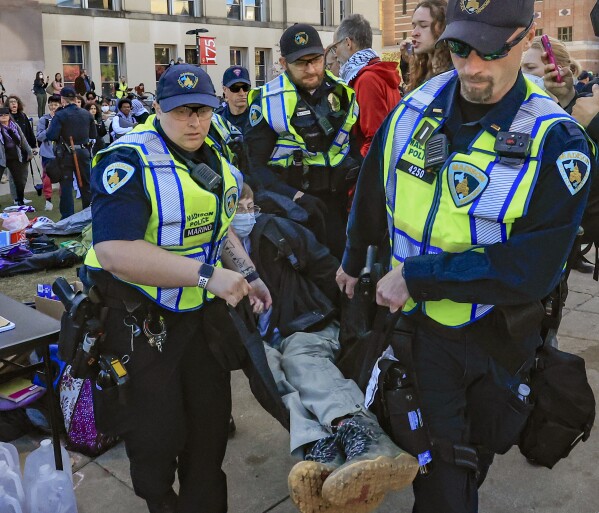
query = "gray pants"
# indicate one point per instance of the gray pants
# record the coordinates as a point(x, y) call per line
point(311, 386)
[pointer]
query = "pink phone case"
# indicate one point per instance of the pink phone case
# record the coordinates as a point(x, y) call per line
point(547, 45)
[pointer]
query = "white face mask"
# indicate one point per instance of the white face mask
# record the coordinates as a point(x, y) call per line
point(243, 224)
point(536, 80)
point(105, 108)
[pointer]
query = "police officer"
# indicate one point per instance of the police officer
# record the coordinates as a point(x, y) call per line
point(163, 199)
point(236, 84)
point(298, 140)
point(72, 122)
point(481, 217)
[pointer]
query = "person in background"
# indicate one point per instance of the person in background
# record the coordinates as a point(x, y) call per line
point(2, 91)
point(39, 89)
point(236, 84)
point(140, 90)
point(122, 88)
point(46, 147)
point(124, 121)
point(15, 153)
point(57, 84)
point(96, 113)
point(533, 65)
point(17, 112)
point(90, 97)
point(376, 82)
point(83, 83)
point(583, 79)
point(331, 63)
point(138, 111)
point(428, 59)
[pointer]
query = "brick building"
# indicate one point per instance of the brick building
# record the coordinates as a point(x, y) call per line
point(567, 20)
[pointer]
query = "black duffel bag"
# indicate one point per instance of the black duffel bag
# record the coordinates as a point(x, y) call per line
point(564, 407)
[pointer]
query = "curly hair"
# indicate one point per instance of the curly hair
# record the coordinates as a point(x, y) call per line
point(20, 105)
point(425, 66)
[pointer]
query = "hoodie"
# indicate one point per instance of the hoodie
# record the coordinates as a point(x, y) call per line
point(377, 93)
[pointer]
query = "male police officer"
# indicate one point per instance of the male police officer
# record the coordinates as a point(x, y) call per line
point(72, 122)
point(482, 217)
point(299, 135)
point(163, 201)
point(236, 84)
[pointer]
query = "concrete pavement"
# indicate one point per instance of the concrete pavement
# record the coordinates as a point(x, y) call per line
point(257, 461)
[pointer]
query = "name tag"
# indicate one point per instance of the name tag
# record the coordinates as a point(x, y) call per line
point(303, 112)
point(417, 171)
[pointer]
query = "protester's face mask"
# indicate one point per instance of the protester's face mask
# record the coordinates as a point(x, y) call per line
point(105, 108)
point(243, 224)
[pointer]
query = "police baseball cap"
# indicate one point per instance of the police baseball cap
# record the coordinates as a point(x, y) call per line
point(236, 75)
point(68, 92)
point(299, 40)
point(486, 25)
point(185, 84)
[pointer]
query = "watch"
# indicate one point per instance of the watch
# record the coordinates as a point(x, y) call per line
point(204, 274)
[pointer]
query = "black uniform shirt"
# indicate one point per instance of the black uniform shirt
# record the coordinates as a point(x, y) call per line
point(72, 121)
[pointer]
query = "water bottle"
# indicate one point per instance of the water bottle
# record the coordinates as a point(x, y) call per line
point(10, 481)
point(9, 453)
point(9, 504)
point(524, 393)
point(400, 398)
point(44, 455)
point(51, 492)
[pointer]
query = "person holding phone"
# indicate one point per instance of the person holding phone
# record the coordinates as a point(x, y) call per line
point(39, 89)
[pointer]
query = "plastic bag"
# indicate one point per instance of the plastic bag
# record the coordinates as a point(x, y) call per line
point(14, 221)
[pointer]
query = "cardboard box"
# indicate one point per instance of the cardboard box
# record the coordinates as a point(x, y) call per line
point(53, 307)
point(7, 238)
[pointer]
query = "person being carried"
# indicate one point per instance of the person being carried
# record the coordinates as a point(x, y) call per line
point(349, 463)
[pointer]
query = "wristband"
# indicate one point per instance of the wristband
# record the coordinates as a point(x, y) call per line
point(253, 276)
point(204, 275)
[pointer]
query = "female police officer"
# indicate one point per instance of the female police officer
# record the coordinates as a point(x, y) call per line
point(163, 198)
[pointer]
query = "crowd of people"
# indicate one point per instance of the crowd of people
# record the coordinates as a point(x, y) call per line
point(264, 207)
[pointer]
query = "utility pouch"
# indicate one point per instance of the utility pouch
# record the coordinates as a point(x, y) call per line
point(319, 179)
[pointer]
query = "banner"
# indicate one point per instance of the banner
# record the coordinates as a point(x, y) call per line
point(207, 50)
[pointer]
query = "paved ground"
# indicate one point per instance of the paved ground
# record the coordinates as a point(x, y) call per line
point(257, 459)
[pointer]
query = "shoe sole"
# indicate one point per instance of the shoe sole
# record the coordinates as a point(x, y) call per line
point(305, 490)
point(364, 482)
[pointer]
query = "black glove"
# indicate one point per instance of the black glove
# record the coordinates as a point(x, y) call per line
point(317, 211)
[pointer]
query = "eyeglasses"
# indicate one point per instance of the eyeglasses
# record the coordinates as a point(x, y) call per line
point(255, 210)
point(184, 112)
point(463, 50)
point(303, 63)
point(235, 88)
point(333, 47)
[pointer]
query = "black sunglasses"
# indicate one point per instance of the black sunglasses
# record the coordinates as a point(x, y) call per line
point(235, 88)
point(463, 50)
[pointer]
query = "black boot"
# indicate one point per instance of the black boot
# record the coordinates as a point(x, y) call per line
point(168, 504)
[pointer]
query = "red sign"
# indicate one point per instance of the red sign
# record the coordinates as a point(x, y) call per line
point(207, 50)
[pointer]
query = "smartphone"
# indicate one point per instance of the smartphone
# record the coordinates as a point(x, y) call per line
point(547, 46)
point(409, 48)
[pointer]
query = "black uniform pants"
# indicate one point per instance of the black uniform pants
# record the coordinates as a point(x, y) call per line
point(67, 205)
point(335, 221)
point(466, 398)
point(176, 416)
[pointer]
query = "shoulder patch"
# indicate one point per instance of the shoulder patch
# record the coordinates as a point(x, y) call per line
point(231, 199)
point(575, 168)
point(255, 114)
point(466, 182)
point(116, 175)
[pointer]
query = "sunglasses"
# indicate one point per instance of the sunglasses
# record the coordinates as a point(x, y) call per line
point(235, 88)
point(463, 50)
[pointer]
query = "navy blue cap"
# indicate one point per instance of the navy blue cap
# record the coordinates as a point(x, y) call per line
point(299, 40)
point(486, 25)
point(185, 84)
point(236, 75)
point(68, 92)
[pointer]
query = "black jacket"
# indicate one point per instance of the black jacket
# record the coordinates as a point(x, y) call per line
point(21, 119)
point(298, 271)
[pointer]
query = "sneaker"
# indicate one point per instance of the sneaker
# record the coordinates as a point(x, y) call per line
point(306, 477)
point(48, 206)
point(25, 202)
point(374, 465)
point(4, 178)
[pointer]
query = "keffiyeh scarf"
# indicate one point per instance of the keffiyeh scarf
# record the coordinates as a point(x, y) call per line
point(355, 63)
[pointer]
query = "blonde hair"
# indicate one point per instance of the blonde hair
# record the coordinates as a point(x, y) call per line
point(562, 56)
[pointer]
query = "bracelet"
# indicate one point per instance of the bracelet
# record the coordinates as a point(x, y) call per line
point(253, 276)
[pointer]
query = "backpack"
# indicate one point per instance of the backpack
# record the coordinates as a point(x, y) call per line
point(564, 407)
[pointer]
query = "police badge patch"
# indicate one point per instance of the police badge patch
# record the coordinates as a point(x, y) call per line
point(116, 175)
point(255, 115)
point(474, 6)
point(466, 182)
point(575, 168)
point(231, 197)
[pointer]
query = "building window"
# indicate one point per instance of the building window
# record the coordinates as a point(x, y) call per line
point(111, 5)
point(250, 10)
point(344, 9)
point(237, 56)
point(538, 32)
point(175, 7)
point(101, 4)
point(405, 36)
point(564, 33)
point(69, 3)
point(191, 55)
point(261, 58)
point(162, 57)
point(72, 62)
point(109, 68)
point(326, 12)
point(404, 8)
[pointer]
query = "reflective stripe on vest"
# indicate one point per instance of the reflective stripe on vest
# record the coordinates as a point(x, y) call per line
point(185, 219)
point(279, 99)
point(474, 199)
